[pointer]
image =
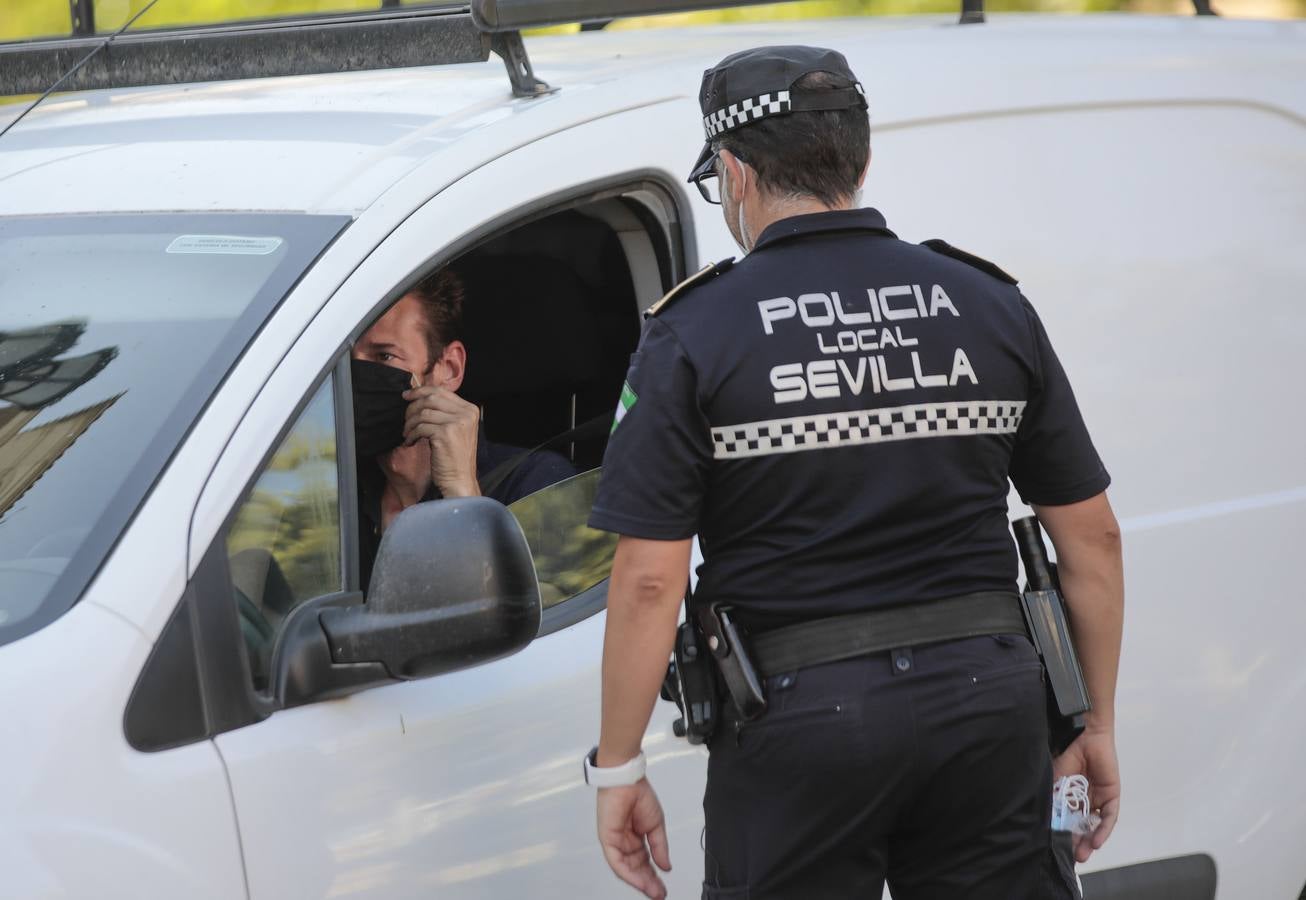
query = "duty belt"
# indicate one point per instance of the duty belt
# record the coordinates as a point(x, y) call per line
point(910, 625)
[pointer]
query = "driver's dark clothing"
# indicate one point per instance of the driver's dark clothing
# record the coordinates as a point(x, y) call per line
point(537, 471)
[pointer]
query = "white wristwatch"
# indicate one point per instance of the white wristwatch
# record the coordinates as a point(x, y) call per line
point(627, 773)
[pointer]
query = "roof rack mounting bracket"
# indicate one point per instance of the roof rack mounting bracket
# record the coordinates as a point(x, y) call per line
point(508, 44)
point(82, 13)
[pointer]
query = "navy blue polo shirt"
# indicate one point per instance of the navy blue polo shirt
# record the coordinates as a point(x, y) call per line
point(836, 417)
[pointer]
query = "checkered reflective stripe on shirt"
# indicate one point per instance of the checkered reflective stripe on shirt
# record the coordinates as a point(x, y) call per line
point(746, 111)
point(867, 426)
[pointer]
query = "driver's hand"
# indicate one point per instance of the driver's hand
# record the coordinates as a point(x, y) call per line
point(450, 425)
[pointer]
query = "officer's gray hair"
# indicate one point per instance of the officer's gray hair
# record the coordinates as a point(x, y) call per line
point(818, 154)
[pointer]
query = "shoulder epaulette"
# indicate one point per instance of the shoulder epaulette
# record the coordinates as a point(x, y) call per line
point(702, 275)
point(969, 259)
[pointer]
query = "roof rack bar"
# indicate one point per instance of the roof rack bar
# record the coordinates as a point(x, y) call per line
point(83, 16)
point(300, 46)
point(511, 15)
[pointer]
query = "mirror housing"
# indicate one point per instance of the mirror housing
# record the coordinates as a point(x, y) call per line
point(453, 586)
point(302, 670)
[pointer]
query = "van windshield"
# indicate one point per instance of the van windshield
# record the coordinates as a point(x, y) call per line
point(114, 333)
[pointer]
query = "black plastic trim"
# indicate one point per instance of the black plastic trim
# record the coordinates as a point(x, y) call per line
point(302, 667)
point(229, 695)
point(1175, 878)
point(574, 609)
point(346, 473)
point(201, 650)
point(166, 708)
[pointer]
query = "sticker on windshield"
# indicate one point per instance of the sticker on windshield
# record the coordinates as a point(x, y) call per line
point(228, 244)
point(624, 405)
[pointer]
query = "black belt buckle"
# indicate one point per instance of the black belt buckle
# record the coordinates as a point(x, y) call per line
point(726, 641)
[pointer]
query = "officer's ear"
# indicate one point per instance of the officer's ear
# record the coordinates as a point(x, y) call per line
point(737, 170)
point(861, 182)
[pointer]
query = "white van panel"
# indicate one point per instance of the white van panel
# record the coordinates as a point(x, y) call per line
point(84, 815)
point(1162, 246)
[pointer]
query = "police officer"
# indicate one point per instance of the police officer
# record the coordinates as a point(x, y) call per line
point(836, 417)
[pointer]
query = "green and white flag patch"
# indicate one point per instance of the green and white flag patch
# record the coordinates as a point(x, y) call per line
point(624, 405)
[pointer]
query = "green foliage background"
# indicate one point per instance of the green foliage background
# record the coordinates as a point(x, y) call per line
point(35, 18)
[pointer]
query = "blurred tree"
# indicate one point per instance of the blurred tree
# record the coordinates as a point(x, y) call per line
point(36, 18)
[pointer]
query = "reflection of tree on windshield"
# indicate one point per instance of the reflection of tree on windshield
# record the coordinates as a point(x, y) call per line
point(31, 378)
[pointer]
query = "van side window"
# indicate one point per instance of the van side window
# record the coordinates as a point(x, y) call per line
point(570, 557)
point(551, 316)
point(283, 545)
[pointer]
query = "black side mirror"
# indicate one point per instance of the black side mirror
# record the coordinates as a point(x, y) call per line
point(453, 586)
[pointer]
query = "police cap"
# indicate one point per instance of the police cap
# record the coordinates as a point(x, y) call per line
point(755, 84)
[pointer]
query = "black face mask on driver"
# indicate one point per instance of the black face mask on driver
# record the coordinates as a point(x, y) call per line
point(379, 407)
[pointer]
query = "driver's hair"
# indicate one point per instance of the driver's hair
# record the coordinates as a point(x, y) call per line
point(441, 296)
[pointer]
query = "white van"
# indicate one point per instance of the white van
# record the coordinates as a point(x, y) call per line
point(183, 269)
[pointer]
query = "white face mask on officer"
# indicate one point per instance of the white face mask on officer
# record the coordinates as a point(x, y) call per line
point(743, 239)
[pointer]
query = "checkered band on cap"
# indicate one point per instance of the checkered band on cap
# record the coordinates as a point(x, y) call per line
point(867, 426)
point(754, 108)
point(746, 111)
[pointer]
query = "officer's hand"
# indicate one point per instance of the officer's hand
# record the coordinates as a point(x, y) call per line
point(628, 816)
point(1093, 755)
point(450, 425)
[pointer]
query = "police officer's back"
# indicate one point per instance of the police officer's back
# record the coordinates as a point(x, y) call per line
point(836, 416)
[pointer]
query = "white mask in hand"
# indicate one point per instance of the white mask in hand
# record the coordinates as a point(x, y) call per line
point(1070, 806)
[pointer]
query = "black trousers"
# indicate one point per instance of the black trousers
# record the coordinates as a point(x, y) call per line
point(925, 768)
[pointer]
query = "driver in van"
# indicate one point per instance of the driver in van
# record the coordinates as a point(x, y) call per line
point(415, 438)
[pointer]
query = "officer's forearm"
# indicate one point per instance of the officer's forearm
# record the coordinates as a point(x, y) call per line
point(644, 597)
point(1087, 539)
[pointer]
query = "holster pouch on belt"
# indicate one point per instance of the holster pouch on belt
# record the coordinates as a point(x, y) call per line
point(1049, 629)
point(691, 683)
point(734, 662)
